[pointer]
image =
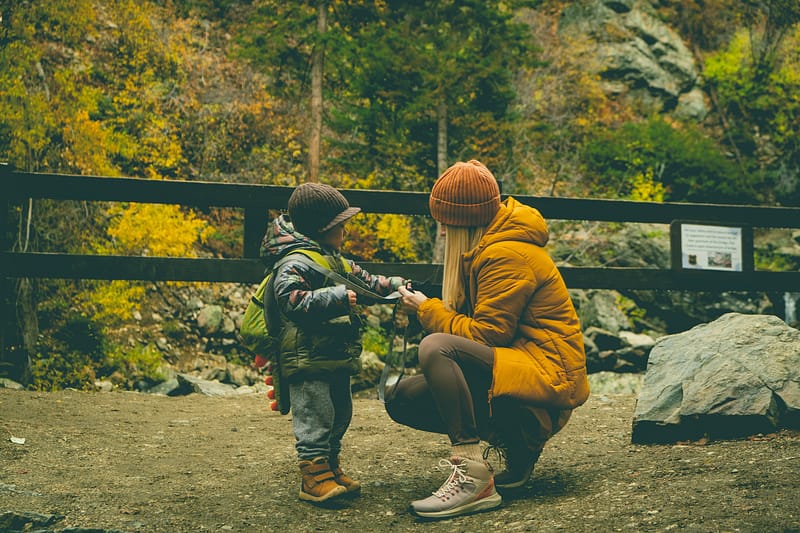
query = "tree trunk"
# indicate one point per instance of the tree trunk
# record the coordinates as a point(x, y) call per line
point(29, 324)
point(441, 166)
point(19, 325)
point(317, 69)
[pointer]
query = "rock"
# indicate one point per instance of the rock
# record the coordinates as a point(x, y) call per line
point(237, 317)
point(241, 376)
point(631, 359)
point(639, 55)
point(604, 339)
point(103, 385)
point(25, 521)
point(637, 340)
point(736, 376)
point(201, 386)
point(626, 352)
point(692, 106)
point(615, 383)
point(6, 383)
point(590, 348)
point(210, 319)
point(195, 303)
point(228, 326)
point(205, 361)
point(599, 309)
point(371, 369)
point(214, 374)
point(171, 387)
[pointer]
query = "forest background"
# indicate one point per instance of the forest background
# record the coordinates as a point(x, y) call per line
point(380, 94)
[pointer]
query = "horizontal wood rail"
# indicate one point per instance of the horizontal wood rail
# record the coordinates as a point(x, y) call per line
point(69, 266)
point(256, 200)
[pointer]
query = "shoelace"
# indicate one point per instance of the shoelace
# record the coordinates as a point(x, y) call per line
point(499, 451)
point(457, 477)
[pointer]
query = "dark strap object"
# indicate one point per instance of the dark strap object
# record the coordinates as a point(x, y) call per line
point(394, 360)
point(351, 282)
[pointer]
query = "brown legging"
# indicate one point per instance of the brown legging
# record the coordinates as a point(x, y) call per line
point(451, 395)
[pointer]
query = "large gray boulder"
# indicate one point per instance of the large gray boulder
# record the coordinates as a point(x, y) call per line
point(640, 56)
point(736, 376)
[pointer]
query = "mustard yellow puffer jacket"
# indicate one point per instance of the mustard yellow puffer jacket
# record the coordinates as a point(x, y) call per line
point(518, 304)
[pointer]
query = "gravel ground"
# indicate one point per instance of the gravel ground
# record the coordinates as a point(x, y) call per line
point(142, 463)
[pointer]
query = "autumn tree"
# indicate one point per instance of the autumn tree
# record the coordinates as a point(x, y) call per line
point(754, 82)
point(84, 90)
point(429, 83)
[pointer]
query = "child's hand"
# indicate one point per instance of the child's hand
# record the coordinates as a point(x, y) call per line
point(411, 299)
point(351, 297)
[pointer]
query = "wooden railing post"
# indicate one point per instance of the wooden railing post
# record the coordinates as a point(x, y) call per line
point(255, 223)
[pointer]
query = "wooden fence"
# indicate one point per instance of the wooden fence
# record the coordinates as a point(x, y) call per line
point(255, 200)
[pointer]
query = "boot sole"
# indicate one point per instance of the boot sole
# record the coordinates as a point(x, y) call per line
point(515, 484)
point(352, 492)
point(325, 497)
point(486, 504)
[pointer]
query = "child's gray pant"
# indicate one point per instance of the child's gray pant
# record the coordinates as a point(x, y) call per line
point(321, 413)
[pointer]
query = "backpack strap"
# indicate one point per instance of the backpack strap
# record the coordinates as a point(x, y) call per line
point(314, 260)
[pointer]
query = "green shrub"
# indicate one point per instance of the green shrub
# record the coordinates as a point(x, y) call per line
point(77, 352)
point(652, 154)
point(375, 340)
point(129, 366)
point(70, 356)
point(173, 329)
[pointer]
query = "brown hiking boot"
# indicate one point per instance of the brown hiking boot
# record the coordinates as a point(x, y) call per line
point(319, 483)
point(353, 487)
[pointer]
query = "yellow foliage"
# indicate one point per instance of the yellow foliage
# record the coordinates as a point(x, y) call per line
point(155, 229)
point(371, 234)
point(141, 229)
point(112, 302)
point(394, 232)
point(85, 143)
point(645, 188)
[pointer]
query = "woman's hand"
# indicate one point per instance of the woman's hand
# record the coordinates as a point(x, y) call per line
point(411, 300)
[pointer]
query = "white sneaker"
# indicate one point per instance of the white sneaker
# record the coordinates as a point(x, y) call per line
point(468, 489)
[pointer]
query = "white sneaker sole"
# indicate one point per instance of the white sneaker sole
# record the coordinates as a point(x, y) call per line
point(484, 504)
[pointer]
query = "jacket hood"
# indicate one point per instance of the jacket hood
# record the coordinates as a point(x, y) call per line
point(280, 239)
point(515, 221)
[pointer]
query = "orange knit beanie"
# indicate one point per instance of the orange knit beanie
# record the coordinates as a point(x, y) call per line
point(466, 194)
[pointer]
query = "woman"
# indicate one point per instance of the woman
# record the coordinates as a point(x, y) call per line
point(504, 358)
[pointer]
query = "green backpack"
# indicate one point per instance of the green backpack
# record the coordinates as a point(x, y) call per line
point(262, 325)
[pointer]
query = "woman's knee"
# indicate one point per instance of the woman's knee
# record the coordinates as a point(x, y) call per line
point(430, 348)
point(397, 407)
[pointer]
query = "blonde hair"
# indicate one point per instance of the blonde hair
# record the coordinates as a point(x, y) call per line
point(458, 241)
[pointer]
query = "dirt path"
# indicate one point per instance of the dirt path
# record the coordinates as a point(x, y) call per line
point(135, 462)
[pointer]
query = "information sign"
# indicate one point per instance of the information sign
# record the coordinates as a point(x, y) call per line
point(704, 246)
